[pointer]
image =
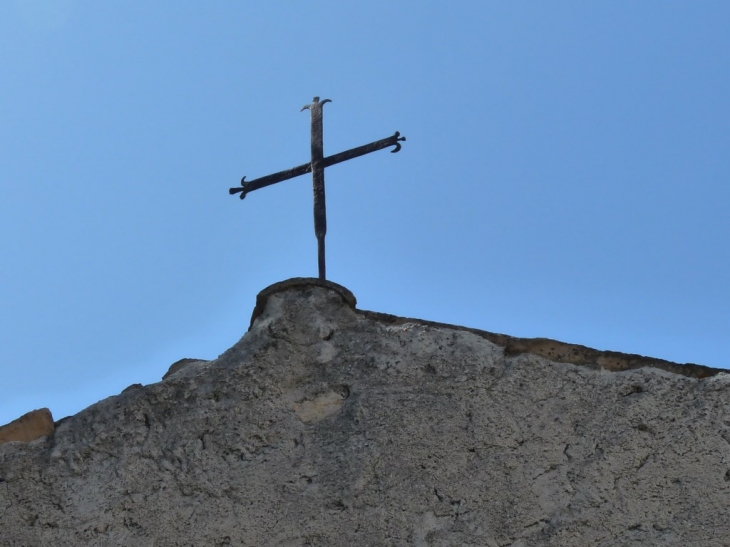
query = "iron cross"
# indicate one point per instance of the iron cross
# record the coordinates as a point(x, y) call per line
point(317, 166)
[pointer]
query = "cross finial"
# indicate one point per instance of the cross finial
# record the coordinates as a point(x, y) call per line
point(315, 102)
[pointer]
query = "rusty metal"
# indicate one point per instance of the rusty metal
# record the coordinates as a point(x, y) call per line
point(317, 166)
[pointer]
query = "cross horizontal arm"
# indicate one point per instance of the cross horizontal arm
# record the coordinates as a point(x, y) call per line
point(268, 180)
point(364, 149)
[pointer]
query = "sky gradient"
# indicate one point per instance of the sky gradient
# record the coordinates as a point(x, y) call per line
point(565, 175)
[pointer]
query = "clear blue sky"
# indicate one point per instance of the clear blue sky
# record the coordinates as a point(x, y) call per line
point(565, 176)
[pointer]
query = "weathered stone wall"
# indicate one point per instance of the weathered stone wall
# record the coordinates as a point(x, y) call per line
point(328, 426)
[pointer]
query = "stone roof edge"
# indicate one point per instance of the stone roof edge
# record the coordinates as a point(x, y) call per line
point(553, 350)
point(561, 352)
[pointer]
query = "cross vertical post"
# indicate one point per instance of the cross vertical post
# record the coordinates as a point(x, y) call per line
point(317, 166)
point(320, 206)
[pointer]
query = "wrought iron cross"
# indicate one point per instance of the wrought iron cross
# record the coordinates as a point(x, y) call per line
point(317, 166)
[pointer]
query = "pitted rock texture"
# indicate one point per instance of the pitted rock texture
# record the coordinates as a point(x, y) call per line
point(326, 426)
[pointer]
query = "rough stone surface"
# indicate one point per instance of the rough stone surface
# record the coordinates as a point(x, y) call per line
point(325, 426)
point(181, 364)
point(29, 427)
